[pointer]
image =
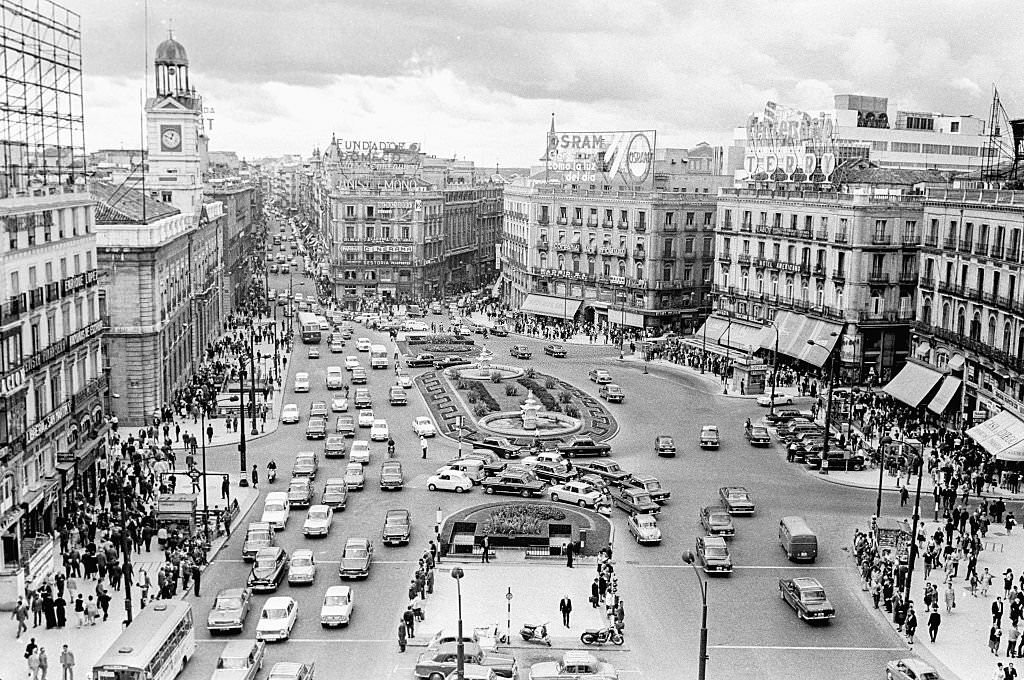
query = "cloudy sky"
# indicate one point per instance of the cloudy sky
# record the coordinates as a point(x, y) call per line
point(479, 79)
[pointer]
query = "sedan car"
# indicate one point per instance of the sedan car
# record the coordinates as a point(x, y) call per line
point(423, 426)
point(555, 350)
point(404, 380)
point(305, 465)
point(335, 446)
point(358, 375)
point(229, 611)
point(717, 521)
point(520, 352)
point(379, 430)
point(447, 479)
point(391, 478)
point(449, 361)
point(665, 445)
point(356, 558)
point(351, 362)
point(709, 437)
point(600, 376)
point(713, 555)
point(300, 492)
point(318, 408)
point(335, 493)
point(337, 607)
point(240, 660)
point(337, 347)
point(644, 528)
point(301, 382)
point(365, 418)
point(339, 404)
point(420, 360)
point(575, 493)
point(290, 414)
point(346, 426)
point(275, 510)
point(355, 478)
point(318, 520)
point(758, 435)
point(277, 619)
point(807, 598)
point(784, 416)
point(736, 500)
point(360, 451)
point(779, 400)
point(313, 353)
point(301, 568)
point(268, 570)
point(910, 669)
point(397, 527)
point(442, 661)
point(363, 344)
point(612, 393)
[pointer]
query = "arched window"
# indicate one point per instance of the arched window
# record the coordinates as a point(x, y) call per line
point(789, 287)
point(745, 280)
point(992, 331)
point(590, 266)
point(666, 272)
point(1007, 337)
point(639, 271)
point(760, 284)
point(606, 269)
point(576, 263)
point(805, 291)
point(622, 268)
point(975, 329)
point(725, 276)
point(819, 295)
point(839, 297)
point(926, 312)
point(561, 262)
point(961, 321)
point(945, 316)
point(775, 284)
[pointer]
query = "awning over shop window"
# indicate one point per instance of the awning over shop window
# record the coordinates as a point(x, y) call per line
point(1000, 433)
point(545, 305)
point(745, 338)
point(913, 384)
point(713, 329)
point(945, 396)
point(794, 332)
point(956, 362)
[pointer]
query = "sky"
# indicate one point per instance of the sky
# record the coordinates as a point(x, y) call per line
point(479, 80)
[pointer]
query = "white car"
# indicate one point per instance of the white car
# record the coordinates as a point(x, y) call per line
point(447, 479)
point(379, 430)
point(415, 326)
point(363, 344)
point(302, 382)
point(290, 413)
point(318, 521)
point(404, 380)
point(360, 452)
point(576, 493)
point(339, 404)
point(551, 457)
point(365, 418)
point(277, 619)
point(275, 509)
point(423, 427)
point(780, 400)
point(337, 607)
point(355, 478)
point(302, 567)
point(335, 378)
point(351, 362)
point(600, 376)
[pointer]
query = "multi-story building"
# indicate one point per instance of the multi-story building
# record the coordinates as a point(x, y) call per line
point(610, 251)
point(243, 213)
point(968, 339)
point(53, 390)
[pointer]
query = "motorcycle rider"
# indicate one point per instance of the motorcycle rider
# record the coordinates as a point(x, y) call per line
point(271, 470)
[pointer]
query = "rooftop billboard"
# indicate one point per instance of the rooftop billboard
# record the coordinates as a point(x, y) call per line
point(604, 158)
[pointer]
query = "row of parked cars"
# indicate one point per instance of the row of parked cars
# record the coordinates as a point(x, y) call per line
point(804, 440)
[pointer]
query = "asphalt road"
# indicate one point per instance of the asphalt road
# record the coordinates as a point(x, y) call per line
point(752, 632)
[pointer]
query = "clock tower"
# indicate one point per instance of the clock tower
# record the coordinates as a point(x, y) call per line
point(175, 136)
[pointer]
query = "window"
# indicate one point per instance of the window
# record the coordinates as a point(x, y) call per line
point(350, 233)
point(370, 233)
point(642, 220)
point(166, 196)
point(405, 233)
point(689, 218)
point(708, 218)
point(369, 212)
point(350, 211)
point(954, 126)
point(32, 278)
point(78, 264)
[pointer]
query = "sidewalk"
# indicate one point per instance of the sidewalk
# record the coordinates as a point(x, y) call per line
point(90, 643)
point(713, 380)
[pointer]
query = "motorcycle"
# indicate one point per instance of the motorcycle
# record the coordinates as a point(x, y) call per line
point(602, 636)
point(533, 632)
point(271, 474)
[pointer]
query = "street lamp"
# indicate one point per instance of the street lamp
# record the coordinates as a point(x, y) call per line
point(241, 413)
point(728, 354)
point(702, 660)
point(828, 403)
point(775, 369)
point(252, 380)
point(882, 443)
point(460, 649)
point(704, 345)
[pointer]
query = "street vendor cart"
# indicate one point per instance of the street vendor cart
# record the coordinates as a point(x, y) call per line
point(893, 537)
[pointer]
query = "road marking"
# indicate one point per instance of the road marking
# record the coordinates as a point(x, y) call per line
point(811, 649)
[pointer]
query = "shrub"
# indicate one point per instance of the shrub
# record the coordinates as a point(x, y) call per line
point(479, 410)
point(463, 385)
point(495, 377)
point(540, 392)
point(565, 396)
point(550, 383)
point(479, 393)
point(438, 339)
point(510, 390)
point(572, 411)
point(471, 397)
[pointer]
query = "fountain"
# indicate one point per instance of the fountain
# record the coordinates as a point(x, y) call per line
point(529, 411)
point(531, 420)
point(484, 368)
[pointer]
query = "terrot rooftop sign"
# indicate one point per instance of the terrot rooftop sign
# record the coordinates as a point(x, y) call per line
point(602, 157)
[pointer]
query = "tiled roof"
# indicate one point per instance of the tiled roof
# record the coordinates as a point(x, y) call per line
point(122, 205)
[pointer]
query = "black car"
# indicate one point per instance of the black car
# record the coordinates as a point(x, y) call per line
point(420, 360)
point(517, 482)
point(499, 331)
point(553, 473)
point(555, 350)
point(837, 460)
point(783, 415)
point(449, 361)
point(269, 569)
point(500, 445)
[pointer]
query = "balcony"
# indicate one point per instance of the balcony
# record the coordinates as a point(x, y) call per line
point(821, 235)
point(13, 308)
point(642, 226)
point(543, 220)
point(982, 348)
point(743, 258)
point(563, 247)
point(639, 254)
point(592, 222)
point(689, 226)
point(878, 277)
point(577, 222)
point(908, 277)
point(763, 229)
point(965, 245)
point(932, 240)
point(981, 248)
point(951, 288)
point(805, 233)
point(543, 245)
point(591, 250)
point(926, 283)
point(725, 256)
point(747, 226)
point(608, 224)
point(881, 239)
point(35, 298)
point(988, 297)
point(1012, 253)
point(949, 244)
point(563, 220)
point(727, 226)
point(609, 251)
point(838, 275)
point(884, 316)
point(841, 237)
point(52, 292)
point(623, 224)
point(819, 271)
point(910, 240)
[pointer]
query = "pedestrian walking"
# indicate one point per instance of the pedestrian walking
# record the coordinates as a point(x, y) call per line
point(485, 554)
point(401, 636)
point(568, 554)
point(255, 476)
point(910, 625)
point(20, 614)
point(904, 495)
point(33, 664)
point(423, 445)
point(934, 621)
point(44, 664)
point(565, 607)
point(997, 612)
point(410, 621)
point(80, 610)
point(209, 433)
point(994, 634)
point(595, 593)
point(950, 597)
point(1012, 638)
point(67, 662)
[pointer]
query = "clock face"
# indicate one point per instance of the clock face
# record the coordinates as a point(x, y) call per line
point(170, 138)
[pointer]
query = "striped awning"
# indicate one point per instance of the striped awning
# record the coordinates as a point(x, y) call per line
point(545, 305)
point(794, 332)
point(913, 383)
point(945, 396)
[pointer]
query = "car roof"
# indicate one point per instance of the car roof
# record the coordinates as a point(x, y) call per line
point(716, 541)
point(334, 480)
point(269, 550)
point(238, 648)
point(277, 496)
point(319, 506)
point(356, 540)
point(338, 590)
point(302, 552)
point(279, 601)
point(397, 512)
point(471, 648)
point(806, 582)
point(577, 657)
point(916, 665)
point(230, 592)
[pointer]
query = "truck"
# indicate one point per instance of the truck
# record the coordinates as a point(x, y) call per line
point(584, 446)
point(632, 499)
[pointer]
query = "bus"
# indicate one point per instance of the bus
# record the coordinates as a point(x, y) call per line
point(378, 356)
point(156, 646)
point(310, 325)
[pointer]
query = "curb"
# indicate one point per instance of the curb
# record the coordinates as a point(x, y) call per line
point(1006, 496)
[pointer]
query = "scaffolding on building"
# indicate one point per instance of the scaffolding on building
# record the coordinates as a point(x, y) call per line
point(42, 131)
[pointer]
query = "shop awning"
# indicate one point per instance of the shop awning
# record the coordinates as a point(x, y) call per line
point(794, 332)
point(713, 329)
point(913, 384)
point(745, 338)
point(1001, 432)
point(546, 305)
point(633, 319)
point(945, 396)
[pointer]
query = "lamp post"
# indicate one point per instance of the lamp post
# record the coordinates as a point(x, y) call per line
point(702, 660)
point(728, 354)
point(828, 402)
point(704, 345)
point(775, 369)
point(241, 413)
point(912, 557)
point(202, 436)
point(882, 443)
point(622, 324)
point(460, 649)
point(252, 380)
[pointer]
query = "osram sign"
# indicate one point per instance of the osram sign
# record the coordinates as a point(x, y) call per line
point(602, 157)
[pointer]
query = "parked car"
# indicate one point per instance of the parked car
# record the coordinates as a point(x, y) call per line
point(447, 479)
point(779, 400)
point(709, 437)
point(318, 520)
point(337, 607)
point(335, 446)
point(499, 445)
point(574, 665)
point(807, 598)
point(575, 493)
point(644, 528)
point(736, 500)
point(838, 460)
point(306, 465)
point(554, 350)
point(335, 493)
point(423, 426)
point(355, 478)
point(910, 669)
point(520, 352)
point(713, 555)
point(268, 569)
point(717, 521)
point(397, 527)
point(356, 558)
point(442, 661)
point(391, 478)
point(420, 360)
point(519, 482)
point(240, 660)
point(783, 416)
point(608, 469)
point(302, 568)
point(277, 619)
point(450, 361)
point(229, 611)
point(612, 393)
point(300, 492)
point(651, 485)
point(757, 435)
point(665, 445)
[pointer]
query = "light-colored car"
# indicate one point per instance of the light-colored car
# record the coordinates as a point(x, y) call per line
point(355, 479)
point(275, 509)
point(403, 380)
point(302, 567)
point(337, 607)
point(780, 400)
point(302, 382)
point(290, 414)
point(363, 344)
point(335, 378)
point(574, 665)
point(644, 528)
point(365, 418)
point(318, 521)
point(415, 326)
point(447, 479)
point(600, 376)
point(277, 619)
point(910, 669)
point(360, 452)
point(576, 493)
point(352, 362)
point(339, 404)
point(229, 611)
point(423, 426)
point(335, 493)
point(306, 464)
point(379, 430)
point(240, 660)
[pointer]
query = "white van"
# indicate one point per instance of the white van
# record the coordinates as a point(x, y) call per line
point(472, 467)
point(335, 378)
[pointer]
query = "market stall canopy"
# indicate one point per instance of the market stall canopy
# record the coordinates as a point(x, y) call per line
point(1002, 432)
point(913, 383)
point(546, 305)
point(945, 396)
point(794, 332)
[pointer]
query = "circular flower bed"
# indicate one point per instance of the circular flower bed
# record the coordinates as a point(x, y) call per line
point(446, 349)
point(520, 519)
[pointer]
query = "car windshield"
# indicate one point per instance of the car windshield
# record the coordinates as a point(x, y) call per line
point(226, 603)
point(297, 488)
point(265, 563)
point(304, 460)
point(318, 514)
point(274, 613)
point(719, 518)
point(668, 441)
point(396, 521)
point(737, 496)
point(302, 562)
point(813, 595)
point(355, 552)
point(646, 521)
point(237, 663)
point(714, 551)
point(336, 600)
point(258, 534)
point(274, 506)
point(334, 488)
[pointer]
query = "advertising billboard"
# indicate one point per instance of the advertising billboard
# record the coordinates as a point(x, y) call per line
point(605, 158)
point(789, 145)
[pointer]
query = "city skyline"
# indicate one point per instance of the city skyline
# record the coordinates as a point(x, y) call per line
point(480, 81)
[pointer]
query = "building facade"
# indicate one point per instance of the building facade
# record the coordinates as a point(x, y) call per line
point(242, 215)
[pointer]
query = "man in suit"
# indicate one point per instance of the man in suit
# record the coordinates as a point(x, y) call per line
point(997, 612)
point(565, 606)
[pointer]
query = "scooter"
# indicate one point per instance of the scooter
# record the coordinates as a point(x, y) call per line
point(602, 636)
point(533, 632)
point(271, 474)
